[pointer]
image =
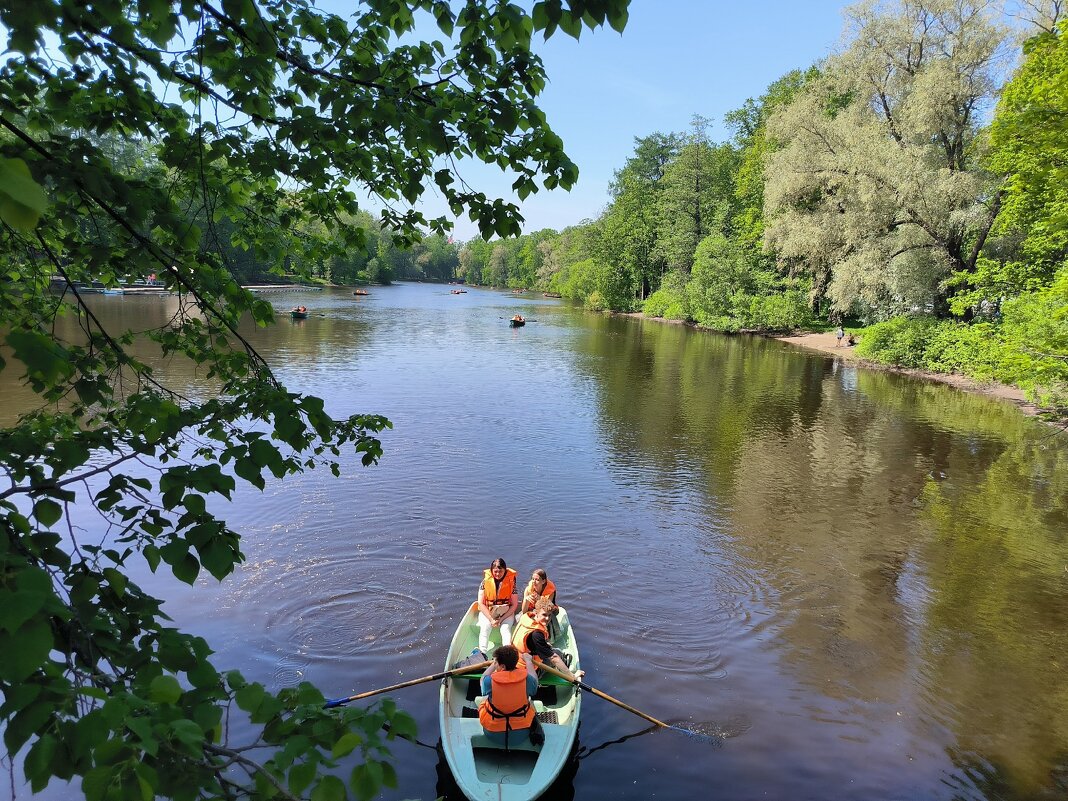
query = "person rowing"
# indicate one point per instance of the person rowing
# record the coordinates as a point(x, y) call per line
point(532, 637)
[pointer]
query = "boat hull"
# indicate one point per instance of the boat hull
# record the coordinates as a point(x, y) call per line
point(485, 771)
point(517, 323)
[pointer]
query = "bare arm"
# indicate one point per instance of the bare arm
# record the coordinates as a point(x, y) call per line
point(558, 663)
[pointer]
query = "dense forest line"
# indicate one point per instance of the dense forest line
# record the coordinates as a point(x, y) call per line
point(911, 185)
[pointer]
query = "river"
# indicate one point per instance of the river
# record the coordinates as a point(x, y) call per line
point(857, 580)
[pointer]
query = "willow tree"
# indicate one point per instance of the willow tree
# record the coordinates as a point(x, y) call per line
point(260, 118)
point(878, 188)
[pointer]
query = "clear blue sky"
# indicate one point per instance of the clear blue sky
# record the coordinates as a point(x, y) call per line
point(675, 59)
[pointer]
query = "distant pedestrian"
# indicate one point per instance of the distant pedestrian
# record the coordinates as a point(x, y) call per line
point(839, 333)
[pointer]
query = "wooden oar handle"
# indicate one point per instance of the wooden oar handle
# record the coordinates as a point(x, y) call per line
point(444, 674)
point(583, 685)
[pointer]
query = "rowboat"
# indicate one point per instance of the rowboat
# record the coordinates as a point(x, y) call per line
point(299, 315)
point(517, 323)
point(361, 292)
point(485, 771)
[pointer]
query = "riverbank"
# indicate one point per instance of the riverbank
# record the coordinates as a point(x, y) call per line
point(827, 343)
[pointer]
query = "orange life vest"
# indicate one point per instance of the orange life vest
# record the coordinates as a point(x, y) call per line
point(523, 628)
point(491, 595)
point(548, 591)
point(509, 707)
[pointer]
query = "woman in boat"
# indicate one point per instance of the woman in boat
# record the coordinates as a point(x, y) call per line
point(532, 637)
point(498, 598)
point(507, 709)
point(539, 586)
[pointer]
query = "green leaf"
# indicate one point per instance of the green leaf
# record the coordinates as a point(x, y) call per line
point(28, 722)
point(165, 690)
point(250, 697)
point(47, 512)
point(38, 763)
point(366, 780)
point(116, 579)
point(22, 200)
point(329, 788)
point(25, 650)
point(187, 569)
point(32, 587)
point(345, 745)
point(403, 725)
point(300, 776)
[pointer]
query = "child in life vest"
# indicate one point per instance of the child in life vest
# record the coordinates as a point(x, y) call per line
point(507, 711)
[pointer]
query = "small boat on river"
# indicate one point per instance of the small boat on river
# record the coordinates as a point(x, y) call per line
point(517, 321)
point(522, 772)
point(550, 294)
point(458, 291)
point(361, 292)
point(299, 313)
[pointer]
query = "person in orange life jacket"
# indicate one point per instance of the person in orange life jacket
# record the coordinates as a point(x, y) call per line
point(507, 709)
point(532, 637)
point(539, 586)
point(498, 598)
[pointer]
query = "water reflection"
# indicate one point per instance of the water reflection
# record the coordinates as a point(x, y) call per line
point(862, 574)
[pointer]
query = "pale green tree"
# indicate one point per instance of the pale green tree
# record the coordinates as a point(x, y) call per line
point(878, 189)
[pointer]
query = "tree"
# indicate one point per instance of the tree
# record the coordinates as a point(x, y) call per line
point(631, 222)
point(878, 189)
point(697, 196)
point(1029, 147)
point(266, 120)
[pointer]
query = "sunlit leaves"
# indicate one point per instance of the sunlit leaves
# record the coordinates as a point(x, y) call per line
point(22, 200)
point(187, 141)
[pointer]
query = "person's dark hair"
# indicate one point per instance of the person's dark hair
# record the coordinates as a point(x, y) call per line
point(507, 656)
point(498, 562)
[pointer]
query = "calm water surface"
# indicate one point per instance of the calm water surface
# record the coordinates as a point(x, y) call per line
point(858, 580)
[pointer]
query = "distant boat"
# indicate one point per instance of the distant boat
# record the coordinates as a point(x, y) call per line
point(550, 294)
point(361, 292)
point(299, 314)
point(458, 291)
point(517, 323)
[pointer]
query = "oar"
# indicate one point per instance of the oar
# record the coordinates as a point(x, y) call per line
point(711, 738)
point(412, 683)
point(607, 697)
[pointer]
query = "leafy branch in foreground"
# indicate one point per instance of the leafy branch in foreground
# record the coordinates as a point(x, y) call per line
point(153, 139)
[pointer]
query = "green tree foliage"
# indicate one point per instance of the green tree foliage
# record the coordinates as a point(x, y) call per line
point(1029, 146)
point(264, 122)
point(732, 288)
point(697, 196)
point(879, 189)
point(632, 221)
point(750, 124)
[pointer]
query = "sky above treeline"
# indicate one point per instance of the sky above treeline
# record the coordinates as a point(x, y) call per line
point(675, 59)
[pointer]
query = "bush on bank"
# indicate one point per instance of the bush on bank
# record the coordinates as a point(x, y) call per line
point(1025, 348)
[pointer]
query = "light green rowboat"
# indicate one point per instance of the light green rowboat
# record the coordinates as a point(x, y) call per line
point(484, 770)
